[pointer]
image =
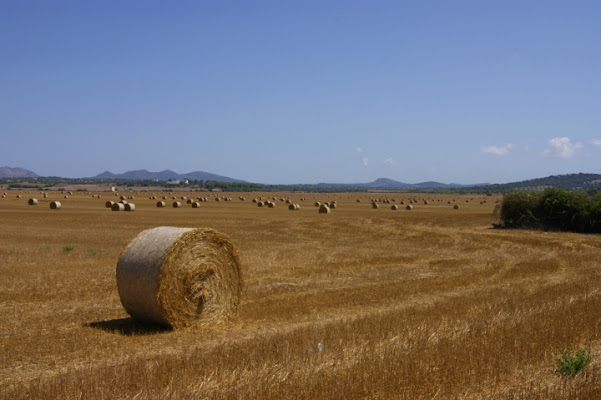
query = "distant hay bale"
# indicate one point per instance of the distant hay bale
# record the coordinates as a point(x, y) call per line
point(195, 204)
point(33, 201)
point(66, 197)
point(271, 204)
point(18, 196)
point(118, 207)
point(456, 207)
point(55, 205)
point(45, 196)
point(293, 207)
point(333, 204)
point(160, 204)
point(394, 207)
point(177, 204)
point(409, 207)
point(358, 200)
point(124, 202)
point(189, 201)
point(260, 204)
point(323, 209)
point(109, 204)
point(254, 200)
point(317, 204)
point(375, 205)
point(122, 197)
point(180, 277)
point(130, 207)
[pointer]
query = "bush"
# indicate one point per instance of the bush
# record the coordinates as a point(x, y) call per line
point(517, 210)
point(570, 363)
point(554, 209)
point(563, 210)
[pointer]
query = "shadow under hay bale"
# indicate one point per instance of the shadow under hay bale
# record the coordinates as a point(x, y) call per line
point(179, 277)
point(128, 327)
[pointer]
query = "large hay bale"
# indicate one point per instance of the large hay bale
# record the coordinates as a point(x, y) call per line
point(109, 204)
point(55, 205)
point(394, 207)
point(323, 209)
point(33, 201)
point(195, 204)
point(118, 207)
point(409, 207)
point(130, 207)
point(179, 276)
point(177, 204)
point(160, 204)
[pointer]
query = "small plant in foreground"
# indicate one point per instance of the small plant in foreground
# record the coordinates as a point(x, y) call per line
point(68, 248)
point(571, 363)
point(92, 252)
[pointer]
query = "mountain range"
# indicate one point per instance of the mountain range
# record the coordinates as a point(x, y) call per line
point(8, 172)
point(165, 175)
point(567, 181)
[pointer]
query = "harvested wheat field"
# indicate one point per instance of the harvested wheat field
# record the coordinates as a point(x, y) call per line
point(361, 302)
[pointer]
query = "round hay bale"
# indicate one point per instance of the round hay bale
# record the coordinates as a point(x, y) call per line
point(177, 204)
point(317, 204)
point(118, 207)
point(189, 201)
point(292, 207)
point(160, 204)
point(55, 205)
point(297, 206)
point(375, 205)
point(271, 204)
point(394, 207)
point(130, 207)
point(323, 209)
point(195, 204)
point(456, 207)
point(260, 204)
point(109, 204)
point(179, 277)
point(254, 200)
point(45, 196)
point(33, 201)
point(409, 207)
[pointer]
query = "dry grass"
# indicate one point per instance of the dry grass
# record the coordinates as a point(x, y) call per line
point(365, 303)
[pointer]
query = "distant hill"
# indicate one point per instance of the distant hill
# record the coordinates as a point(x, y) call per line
point(165, 175)
point(385, 183)
point(8, 172)
point(569, 182)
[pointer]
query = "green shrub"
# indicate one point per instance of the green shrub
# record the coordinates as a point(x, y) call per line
point(571, 363)
point(564, 210)
point(517, 210)
point(553, 209)
point(68, 248)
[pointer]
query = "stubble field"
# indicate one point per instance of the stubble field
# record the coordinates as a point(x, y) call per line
point(358, 303)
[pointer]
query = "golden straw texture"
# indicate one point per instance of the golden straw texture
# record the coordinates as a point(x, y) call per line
point(180, 276)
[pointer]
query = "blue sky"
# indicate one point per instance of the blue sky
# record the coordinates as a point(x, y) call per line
point(303, 91)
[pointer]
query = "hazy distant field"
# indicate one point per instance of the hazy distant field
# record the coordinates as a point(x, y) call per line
point(359, 303)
